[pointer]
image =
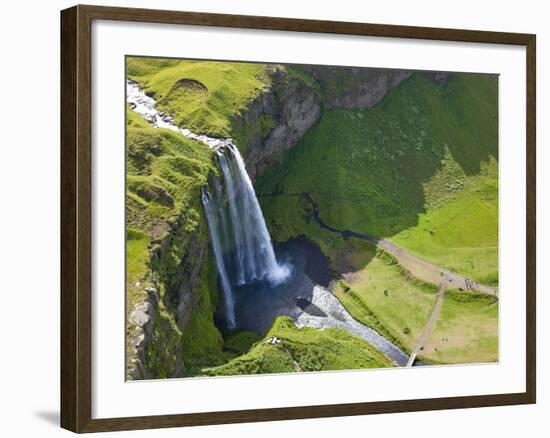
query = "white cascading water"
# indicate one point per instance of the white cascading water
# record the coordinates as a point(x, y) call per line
point(254, 257)
point(216, 229)
point(242, 245)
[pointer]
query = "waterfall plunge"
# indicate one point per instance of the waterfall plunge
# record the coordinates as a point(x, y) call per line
point(238, 232)
point(254, 256)
point(216, 227)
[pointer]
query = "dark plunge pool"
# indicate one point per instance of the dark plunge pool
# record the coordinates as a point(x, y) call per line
point(258, 304)
point(304, 297)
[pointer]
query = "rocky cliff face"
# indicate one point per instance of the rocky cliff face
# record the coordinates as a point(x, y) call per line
point(281, 115)
point(142, 320)
point(176, 261)
point(277, 119)
point(355, 88)
point(172, 294)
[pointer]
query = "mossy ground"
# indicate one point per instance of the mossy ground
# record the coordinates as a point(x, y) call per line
point(241, 342)
point(137, 256)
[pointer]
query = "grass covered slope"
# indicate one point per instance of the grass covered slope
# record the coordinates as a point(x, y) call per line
point(166, 241)
point(164, 174)
point(388, 299)
point(461, 231)
point(202, 96)
point(419, 167)
point(303, 349)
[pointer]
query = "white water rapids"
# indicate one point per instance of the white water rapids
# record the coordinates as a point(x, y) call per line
point(145, 106)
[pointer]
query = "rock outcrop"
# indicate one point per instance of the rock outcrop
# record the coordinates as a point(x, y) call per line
point(181, 283)
point(353, 87)
point(142, 319)
point(290, 106)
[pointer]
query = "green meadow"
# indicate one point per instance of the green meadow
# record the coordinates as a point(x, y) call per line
point(466, 330)
point(383, 296)
point(420, 168)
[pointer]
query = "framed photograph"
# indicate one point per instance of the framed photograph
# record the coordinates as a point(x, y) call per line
point(269, 218)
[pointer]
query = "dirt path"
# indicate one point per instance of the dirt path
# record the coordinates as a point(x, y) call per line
point(429, 324)
point(431, 273)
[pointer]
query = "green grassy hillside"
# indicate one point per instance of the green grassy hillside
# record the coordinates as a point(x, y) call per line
point(419, 168)
point(166, 237)
point(304, 349)
point(164, 173)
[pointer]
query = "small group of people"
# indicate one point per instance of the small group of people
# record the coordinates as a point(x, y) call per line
point(471, 284)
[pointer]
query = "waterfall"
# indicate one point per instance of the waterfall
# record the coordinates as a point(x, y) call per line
point(242, 245)
point(216, 229)
point(254, 257)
